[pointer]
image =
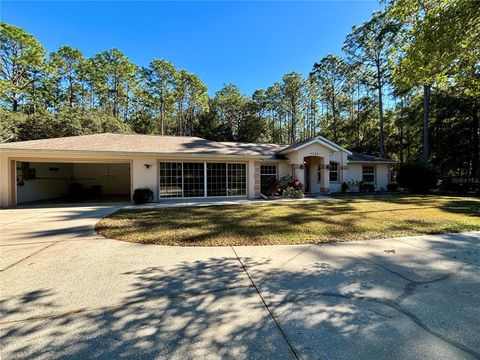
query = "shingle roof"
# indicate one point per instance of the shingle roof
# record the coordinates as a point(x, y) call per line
point(358, 157)
point(148, 144)
point(167, 145)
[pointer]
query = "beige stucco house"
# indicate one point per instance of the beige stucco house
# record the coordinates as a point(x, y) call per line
point(174, 167)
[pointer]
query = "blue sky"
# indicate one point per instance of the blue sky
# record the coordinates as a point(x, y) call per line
point(252, 44)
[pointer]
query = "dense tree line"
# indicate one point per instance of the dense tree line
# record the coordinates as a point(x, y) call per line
point(406, 87)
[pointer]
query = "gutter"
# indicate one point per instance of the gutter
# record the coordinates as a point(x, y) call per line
point(129, 153)
point(372, 162)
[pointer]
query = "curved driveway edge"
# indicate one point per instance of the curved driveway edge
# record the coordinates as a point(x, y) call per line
point(26, 230)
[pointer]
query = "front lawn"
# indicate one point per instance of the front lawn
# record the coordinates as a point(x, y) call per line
point(295, 222)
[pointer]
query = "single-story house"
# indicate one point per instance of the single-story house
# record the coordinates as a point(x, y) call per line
point(175, 167)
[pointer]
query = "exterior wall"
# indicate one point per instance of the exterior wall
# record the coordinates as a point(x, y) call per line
point(5, 180)
point(381, 176)
point(143, 177)
point(355, 171)
point(251, 179)
point(256, 180)
point(341, 158)
point(284, 169)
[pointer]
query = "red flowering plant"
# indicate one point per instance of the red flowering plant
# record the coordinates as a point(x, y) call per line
point(297, 184)
point(274, 186)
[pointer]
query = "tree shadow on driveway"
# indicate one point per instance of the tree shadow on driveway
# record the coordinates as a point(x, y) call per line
point(322, 308)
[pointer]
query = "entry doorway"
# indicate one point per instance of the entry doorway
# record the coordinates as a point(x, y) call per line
point(307, 178)
point(312, 180)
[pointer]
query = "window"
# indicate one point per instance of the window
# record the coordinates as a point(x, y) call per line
point(319, 173)
point(193, 179)
point(216, 179)
point(267, 174)
point(368, 173)
point(170, 179)
point(237, 180)
point(333, 171)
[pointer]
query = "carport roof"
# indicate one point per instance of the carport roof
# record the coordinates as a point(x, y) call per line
point(146, 144)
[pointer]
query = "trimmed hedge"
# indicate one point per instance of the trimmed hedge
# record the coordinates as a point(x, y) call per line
point(392, 187)
point(366, 186)
point(142, 196)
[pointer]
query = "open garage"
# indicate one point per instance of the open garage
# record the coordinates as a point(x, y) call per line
point(72, 181)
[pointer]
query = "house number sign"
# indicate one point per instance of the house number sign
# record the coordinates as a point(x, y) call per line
point(314, 153)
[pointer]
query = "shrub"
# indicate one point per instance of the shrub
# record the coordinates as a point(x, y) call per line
point(417, 177)
point(286, 182)
point(353, 185)
point(291, 192)
point(142, 196)
point(274, 186)
point(297, 184)
point(366, 187)
point(344, 187)
point(283, 183)
point(392, 187)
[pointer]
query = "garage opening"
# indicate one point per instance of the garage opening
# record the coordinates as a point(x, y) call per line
point(72, 182)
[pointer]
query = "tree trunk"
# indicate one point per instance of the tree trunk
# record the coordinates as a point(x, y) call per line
point(161, 111)
point(401, 143)
point(334, 119)
point(380, 110)
point(14, 102)
point(426, 111)
point(127, 102)
point(358, 116)
point(70, 81)
point(476, 135)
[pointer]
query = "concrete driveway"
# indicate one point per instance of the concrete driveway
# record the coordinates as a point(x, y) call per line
point(66, 292)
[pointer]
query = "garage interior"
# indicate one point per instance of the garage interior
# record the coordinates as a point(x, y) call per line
point(72, 182)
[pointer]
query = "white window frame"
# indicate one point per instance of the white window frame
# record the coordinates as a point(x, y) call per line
point(270, 175)
point(337, 171)
point(269, 165)
point(205, 177)
point(374, 173)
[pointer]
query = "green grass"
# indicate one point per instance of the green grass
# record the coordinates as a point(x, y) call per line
point(295, 222)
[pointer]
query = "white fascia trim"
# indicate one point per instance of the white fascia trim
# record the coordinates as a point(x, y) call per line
point(373, 162)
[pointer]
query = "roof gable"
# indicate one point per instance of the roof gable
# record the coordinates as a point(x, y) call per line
point(317, 139)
